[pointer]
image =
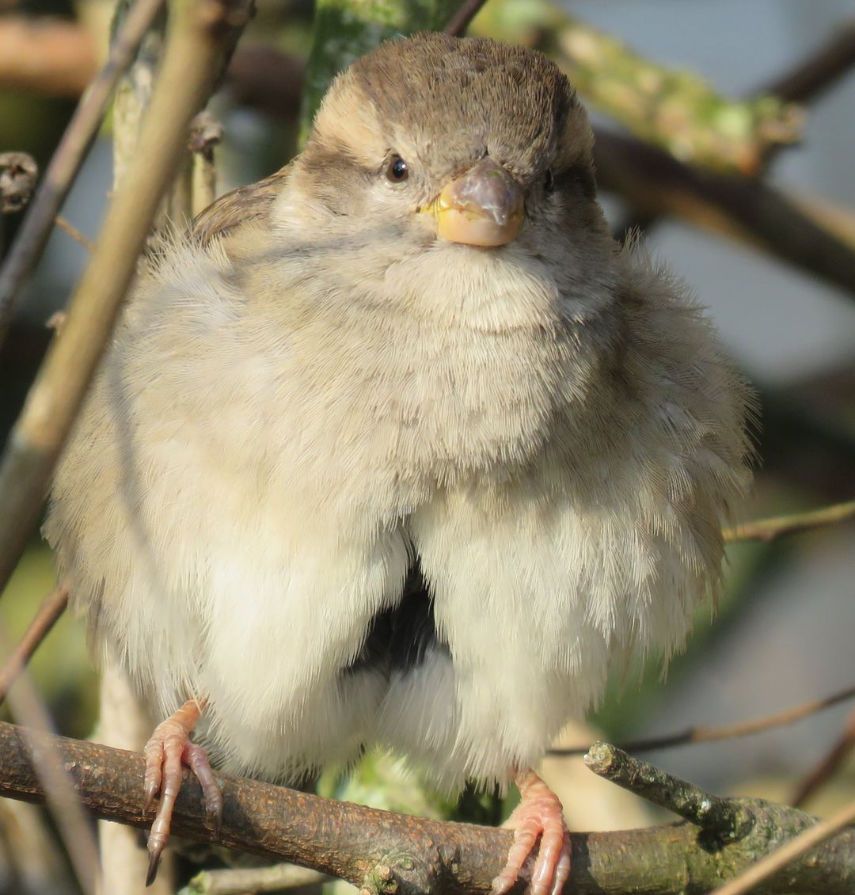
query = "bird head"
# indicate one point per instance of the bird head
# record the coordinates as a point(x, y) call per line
point(459, 141)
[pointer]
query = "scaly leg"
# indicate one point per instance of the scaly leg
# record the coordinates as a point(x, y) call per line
point(168, 749)
point(539, 814)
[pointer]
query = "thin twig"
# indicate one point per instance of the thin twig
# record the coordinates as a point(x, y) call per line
point(75, 234)
point(713, 734)
point(828, 765)
point(785, 855)
point(461, 20)
point(192, 57)
point(724, 818)
point(73, 147)
point(769, 529)
point(45, 618)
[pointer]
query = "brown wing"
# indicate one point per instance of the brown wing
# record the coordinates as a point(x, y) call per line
point(240, 206)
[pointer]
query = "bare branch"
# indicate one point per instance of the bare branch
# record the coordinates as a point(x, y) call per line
point(818, 70)
point(740, 207)
point(51, 609)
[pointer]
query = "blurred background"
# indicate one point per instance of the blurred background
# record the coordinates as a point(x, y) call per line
point(784, 630)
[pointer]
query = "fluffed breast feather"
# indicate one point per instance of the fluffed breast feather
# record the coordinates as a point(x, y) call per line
point(267, 446)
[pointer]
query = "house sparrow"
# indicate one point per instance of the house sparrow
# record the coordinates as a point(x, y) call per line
point(399, 447)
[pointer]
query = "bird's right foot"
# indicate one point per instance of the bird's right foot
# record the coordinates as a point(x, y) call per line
point(166, 753)
point(537, 819)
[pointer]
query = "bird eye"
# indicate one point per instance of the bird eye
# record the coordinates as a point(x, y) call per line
point(548, 181)
point(397, 170)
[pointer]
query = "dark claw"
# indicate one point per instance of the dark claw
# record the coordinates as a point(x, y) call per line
point(214, 817)
point(153, 864)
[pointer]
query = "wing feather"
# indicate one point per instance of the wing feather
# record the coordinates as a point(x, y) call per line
point(242, 206)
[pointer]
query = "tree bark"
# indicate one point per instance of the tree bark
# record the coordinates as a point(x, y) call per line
point(385, 852)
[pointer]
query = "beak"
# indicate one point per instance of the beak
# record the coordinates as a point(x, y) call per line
point(483, 207)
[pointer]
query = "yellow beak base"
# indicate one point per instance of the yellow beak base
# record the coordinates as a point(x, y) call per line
point(484, 207)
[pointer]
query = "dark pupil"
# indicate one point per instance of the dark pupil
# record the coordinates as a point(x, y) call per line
point(399, 169)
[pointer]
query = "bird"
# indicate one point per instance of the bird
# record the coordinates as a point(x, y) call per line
point(399, 447)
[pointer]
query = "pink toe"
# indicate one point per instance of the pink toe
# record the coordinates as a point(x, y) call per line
point(538, 816)
point(166, 754)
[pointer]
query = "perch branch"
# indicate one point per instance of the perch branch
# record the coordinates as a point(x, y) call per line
point(385, 852)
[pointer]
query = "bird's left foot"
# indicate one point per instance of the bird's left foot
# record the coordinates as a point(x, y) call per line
point(539, 814)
